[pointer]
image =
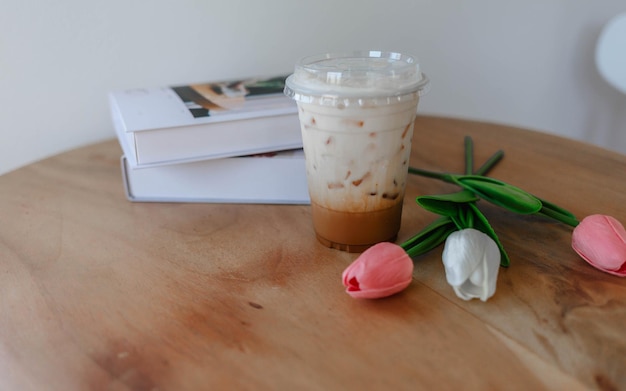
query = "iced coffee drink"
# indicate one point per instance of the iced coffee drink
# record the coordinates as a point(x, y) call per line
point(357, 112)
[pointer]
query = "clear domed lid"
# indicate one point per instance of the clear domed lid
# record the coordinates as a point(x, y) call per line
point(353, 77)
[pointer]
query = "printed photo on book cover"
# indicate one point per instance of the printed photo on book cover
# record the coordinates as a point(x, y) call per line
point(204, 100)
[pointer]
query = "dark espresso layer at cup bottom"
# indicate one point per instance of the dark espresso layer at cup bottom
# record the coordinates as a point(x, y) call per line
point(355, 232)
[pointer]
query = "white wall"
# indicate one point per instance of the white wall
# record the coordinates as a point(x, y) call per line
point(527, 63)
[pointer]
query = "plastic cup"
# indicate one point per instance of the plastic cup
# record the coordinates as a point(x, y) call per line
point(357, 112)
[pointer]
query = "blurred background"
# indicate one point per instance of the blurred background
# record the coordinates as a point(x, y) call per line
point(526, 63)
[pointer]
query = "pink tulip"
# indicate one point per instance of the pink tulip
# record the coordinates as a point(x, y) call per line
point(382, 270)
point(601, 241)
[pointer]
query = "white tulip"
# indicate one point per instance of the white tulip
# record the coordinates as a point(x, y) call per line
point(472, 260)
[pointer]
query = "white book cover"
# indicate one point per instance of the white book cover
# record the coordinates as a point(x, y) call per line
point(166, 125)
point(272, 178)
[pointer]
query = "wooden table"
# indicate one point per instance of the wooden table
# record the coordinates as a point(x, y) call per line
point(99, 293)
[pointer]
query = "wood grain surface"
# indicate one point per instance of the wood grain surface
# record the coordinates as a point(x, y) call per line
point(99, 293)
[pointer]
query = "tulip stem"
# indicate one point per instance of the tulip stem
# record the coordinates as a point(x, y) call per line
point(429, 174)
point(490, 163)
point(482, 170)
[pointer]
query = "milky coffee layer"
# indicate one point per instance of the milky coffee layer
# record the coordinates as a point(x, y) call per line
point(357, 157)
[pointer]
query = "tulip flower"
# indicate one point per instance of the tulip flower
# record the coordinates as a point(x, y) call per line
point(382, 270)
point(601, 241)
point(471, 260)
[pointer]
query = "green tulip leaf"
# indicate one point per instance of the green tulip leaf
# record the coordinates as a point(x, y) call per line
point(430, 237)
point(465, 218)
point(446, 204)
point(500, 193)
point(482, 224)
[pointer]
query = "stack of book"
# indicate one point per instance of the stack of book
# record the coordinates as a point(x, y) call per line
point(233, 142)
